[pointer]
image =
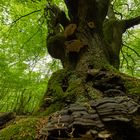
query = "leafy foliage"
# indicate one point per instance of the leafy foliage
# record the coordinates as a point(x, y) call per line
point(24, 64)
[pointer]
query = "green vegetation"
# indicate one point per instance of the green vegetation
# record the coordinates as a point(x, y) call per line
point(24, 63)
point(23, 129)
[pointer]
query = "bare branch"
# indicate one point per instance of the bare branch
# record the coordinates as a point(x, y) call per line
point(132, 50)
point(25, 16)
point(29, 38)
point(124, 59)
point(15, 21)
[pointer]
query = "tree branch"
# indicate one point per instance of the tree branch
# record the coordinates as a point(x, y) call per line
point(132, 22)
point(25, 16)
point(132, 50)
point(16, 20)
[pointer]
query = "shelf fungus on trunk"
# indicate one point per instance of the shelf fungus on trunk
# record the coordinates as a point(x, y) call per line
point(74, 45)
point(87, 120)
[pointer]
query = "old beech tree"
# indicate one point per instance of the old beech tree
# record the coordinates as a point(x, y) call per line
point(92, 98)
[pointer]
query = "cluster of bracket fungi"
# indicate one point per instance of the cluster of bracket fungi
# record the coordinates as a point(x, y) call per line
point(87, 120)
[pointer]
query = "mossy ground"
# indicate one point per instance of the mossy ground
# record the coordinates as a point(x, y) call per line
point(23, 129)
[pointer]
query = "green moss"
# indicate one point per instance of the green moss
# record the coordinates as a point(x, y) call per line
point(24, 129)
point(53, 108)
point(133, 86)
point(64, 87)
point(72, 83)
point(56, 82)
point(75, 86)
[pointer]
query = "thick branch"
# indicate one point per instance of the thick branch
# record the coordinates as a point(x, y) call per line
point(132, 22)
point(91, 9)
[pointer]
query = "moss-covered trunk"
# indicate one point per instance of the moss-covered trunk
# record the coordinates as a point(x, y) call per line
point(88, 48)
point(95, 99)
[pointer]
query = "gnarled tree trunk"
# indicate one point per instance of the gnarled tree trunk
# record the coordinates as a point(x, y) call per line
point(92, 99)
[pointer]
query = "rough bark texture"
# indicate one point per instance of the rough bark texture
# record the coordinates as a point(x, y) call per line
point(96, 101)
